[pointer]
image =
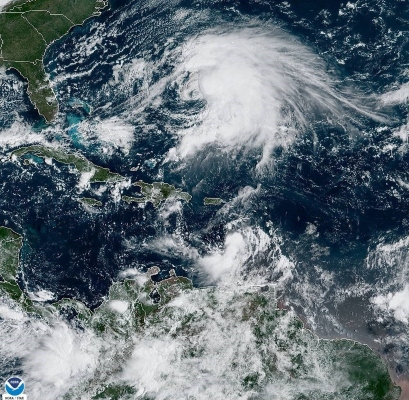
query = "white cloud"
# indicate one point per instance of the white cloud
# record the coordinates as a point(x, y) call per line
point(17, 135)
point(4, 3)
point(260, 88)
point(173, 245)
point(223, 263)
point(389, 264)
point(168, 208)
point(397, 96)
point(150, 360)
point(117, 189)
point(395, 303)
point(8, 313)
point(54, 356)
point(85, 179)
point(118, 306)
point(249, 256)
point(62, 356)
point(42, 295)
point(112, 134)
point(125, 74)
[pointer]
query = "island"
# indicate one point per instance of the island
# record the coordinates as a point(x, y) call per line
point(212, 201)
point(88, 201)
point(81, 164)
point(156, 193)
point(27, 29)
point(131, 199)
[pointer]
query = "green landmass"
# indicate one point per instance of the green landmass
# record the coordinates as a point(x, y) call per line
point(106, 319)
point(130, 199)
point(261, 346)
point(212, 201)
point(287, 354)
point(141, 305)
point(116, 392)
point(91, 202)
point(27, 28)
point(10, 246)
point(157, 192)
point(82, 165)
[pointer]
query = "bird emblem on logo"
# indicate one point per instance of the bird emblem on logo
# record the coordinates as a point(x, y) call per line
point(14, 386)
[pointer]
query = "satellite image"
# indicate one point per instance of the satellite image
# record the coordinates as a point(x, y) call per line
point(204, 199)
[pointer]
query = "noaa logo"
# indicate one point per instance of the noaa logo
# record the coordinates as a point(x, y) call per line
point(14, 386)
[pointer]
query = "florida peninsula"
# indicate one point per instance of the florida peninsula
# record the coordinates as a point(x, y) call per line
point(27, 28)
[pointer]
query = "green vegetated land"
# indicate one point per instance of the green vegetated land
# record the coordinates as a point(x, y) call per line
point(212, 201)
point(89, 201)
point(27, 28)
point(81, 164)
point(10, 246)
point(157, 192)
point(286, 354)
